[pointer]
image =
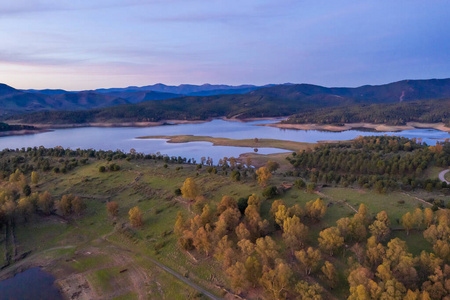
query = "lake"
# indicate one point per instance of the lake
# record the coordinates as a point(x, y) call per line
point(31, 284)
point(124, 138)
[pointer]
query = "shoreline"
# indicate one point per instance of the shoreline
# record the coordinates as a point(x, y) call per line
point(371, 126)
point(23, 132)
point(309, 126)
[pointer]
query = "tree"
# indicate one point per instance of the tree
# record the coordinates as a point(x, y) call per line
point(65, 205)
point(78, 205)
point(135, 217)
point(238, 276)
point(264, 176)
point(113, 208)
point(309, 260)
point(267, 250)
point(380, 227)
point(281, 215)
point(294, 233)
point(34, 177)
point(428, 216)
point(408, 222)
point(254, 270)
point(272, 165)
point(45, 202)
point(226, 202)
point(363, 214)
point(202, 239)
point(277, 281)
point(418, 217)
point(375, 252)
point(190, 190)
point(308, 291)
point(330, 275)
point(25, 207)
point(330, 240)
point(315, 210)
point(242, 232)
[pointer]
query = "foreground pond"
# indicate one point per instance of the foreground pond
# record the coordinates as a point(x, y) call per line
point(30, 284)
point(124, 138)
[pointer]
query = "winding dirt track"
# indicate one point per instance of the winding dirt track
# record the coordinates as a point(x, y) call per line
point(442, 176)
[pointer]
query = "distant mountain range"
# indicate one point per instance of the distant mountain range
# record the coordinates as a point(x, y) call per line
point(15, 101)
point(269, 101)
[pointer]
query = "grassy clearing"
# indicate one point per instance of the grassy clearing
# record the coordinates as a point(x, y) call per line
point(150, 186)
point(254, 143)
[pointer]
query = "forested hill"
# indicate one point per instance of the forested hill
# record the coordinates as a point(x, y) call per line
point(276, 101)
point(424, 111)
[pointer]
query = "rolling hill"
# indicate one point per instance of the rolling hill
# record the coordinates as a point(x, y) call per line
point(274, 101)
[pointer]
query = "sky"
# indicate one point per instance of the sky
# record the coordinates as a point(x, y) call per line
point(88, 44)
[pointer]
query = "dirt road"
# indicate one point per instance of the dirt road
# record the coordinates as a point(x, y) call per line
point(442, 176)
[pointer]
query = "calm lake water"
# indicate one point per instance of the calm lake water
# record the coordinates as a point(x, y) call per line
point(124, 138)
point(31, 284)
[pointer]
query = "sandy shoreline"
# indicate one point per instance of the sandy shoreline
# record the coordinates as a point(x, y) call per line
point(375, 127)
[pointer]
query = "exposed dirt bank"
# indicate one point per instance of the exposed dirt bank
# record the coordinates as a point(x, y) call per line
point(349, 126)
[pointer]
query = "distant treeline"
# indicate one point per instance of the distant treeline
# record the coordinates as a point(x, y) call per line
point(381, 162)
point(425, 111)
point(187, 108)
point(7, 127)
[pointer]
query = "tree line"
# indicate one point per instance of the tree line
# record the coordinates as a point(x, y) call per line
point(425, 111)
point(380, 162)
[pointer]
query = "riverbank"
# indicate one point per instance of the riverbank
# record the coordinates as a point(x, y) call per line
point(253, 143)
point(23, 132)
point(367, 126)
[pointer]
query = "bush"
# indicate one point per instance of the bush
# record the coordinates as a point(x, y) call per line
point(270, 192)
point(102, 169)
point(236, 175)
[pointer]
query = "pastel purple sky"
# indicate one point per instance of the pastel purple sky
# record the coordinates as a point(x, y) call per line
point(88, 44)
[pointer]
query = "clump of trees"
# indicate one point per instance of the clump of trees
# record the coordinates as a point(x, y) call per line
point(276, 256)
point(380, 162)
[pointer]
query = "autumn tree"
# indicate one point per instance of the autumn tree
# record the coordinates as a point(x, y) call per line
point(25, 207)
point(267, 250)
point(408, 222)
point(226, 202)
point(277, 281)
point(65, 205)
point(45, 202)
point(202, 239)
point(418, 218)
point(238, 276)
point(380, 227)
point(428, 216)
point(315, 210)
point(375, 252)
point(112, 208)
point(135, 217)
point(295, 233)
point(78, 205)
point(330, 240)
point(329, 274)
point(308, 291)
point(34, 177)
point(254, 270)
point(308, 260)
point(190, 190)
point(264, 176)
